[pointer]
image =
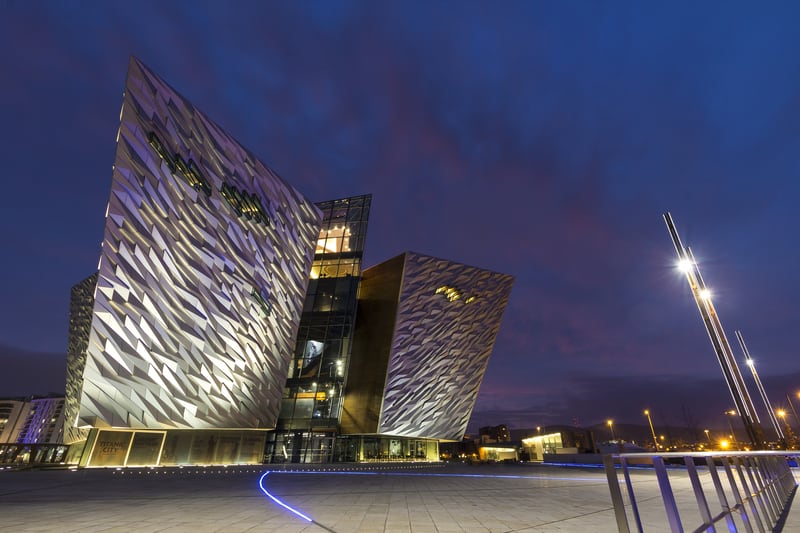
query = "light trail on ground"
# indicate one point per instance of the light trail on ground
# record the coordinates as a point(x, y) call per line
point(279, 502)
point(406, 474)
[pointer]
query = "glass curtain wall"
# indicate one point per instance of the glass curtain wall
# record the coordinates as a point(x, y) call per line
point(373, 448)
point(312, 399)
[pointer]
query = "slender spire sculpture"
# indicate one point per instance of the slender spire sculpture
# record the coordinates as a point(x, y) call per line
point(722, 349)
point(772, 417)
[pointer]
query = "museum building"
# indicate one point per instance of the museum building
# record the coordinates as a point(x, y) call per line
point(229, 320)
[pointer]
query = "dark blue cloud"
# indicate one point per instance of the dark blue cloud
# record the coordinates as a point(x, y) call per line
point(539, 139)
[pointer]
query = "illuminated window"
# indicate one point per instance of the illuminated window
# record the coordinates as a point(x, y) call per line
point(334, 240)
point(452, 294)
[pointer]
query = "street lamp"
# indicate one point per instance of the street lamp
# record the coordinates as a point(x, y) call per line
point(760, 386)
point(728, 414)
point(707, 436)
point(653, 431)
point(611, 428)
point(782, 415)
point(791, 406)
point(716, 333)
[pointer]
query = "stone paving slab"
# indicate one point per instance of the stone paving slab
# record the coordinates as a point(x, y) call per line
point(452, 498)
point(216, 499)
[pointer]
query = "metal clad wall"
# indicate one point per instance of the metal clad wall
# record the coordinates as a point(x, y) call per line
point(178, 340)
point(441, 346)
point(372, 343)
point(81, 304)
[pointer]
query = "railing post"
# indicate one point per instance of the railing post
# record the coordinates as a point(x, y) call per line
point(670, 507)
point(616, 494)
point(723, 500)
point(761, 484)
point(632, 496)
point(739, 503)
point(699, 495)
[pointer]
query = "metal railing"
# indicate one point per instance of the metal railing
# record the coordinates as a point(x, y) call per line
point(745, 491)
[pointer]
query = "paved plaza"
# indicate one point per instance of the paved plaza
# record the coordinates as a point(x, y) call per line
point(488, 498)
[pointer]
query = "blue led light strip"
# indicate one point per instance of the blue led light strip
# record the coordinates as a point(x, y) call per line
point(276, 500)
point(356, 473)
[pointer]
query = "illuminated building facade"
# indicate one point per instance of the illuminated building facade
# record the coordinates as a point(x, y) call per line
point(312, 399)
point(205, 259)
point(31, 430)
point(12, 417)
point(230, 321)
point(81, 304)
point(425, 330)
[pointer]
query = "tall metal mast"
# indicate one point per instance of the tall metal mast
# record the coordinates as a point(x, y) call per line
point(751, 364)
point(722, 349)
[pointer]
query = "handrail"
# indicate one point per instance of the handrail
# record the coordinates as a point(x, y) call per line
point(753, 494)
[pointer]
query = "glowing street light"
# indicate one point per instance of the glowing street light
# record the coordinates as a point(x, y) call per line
point(760, 387)
point(728, 414)
point(611, 428)
point(653, 431)
point(716, 333)
point(791, 406)
point(707, 435)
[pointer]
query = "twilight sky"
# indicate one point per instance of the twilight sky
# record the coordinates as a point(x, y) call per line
point(539, 139)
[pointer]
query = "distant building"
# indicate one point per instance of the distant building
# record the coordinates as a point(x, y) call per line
point(494, 434)
point(558, 440)
point(32, 429)
point(44, 422)
point(13, 412)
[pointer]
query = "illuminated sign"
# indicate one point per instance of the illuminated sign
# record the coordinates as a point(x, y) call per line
point(244, 204)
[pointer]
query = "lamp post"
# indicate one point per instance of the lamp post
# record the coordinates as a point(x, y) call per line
point(728, 415)
point(722, 349)
point(791, 406)
point(786, 440)
point(707, 435)
point(760, 386)
point(611, 428)
point(653, 431)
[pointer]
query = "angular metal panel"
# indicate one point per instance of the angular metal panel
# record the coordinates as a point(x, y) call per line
point(81, 304)
point(205, 261)
point(447, 321)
